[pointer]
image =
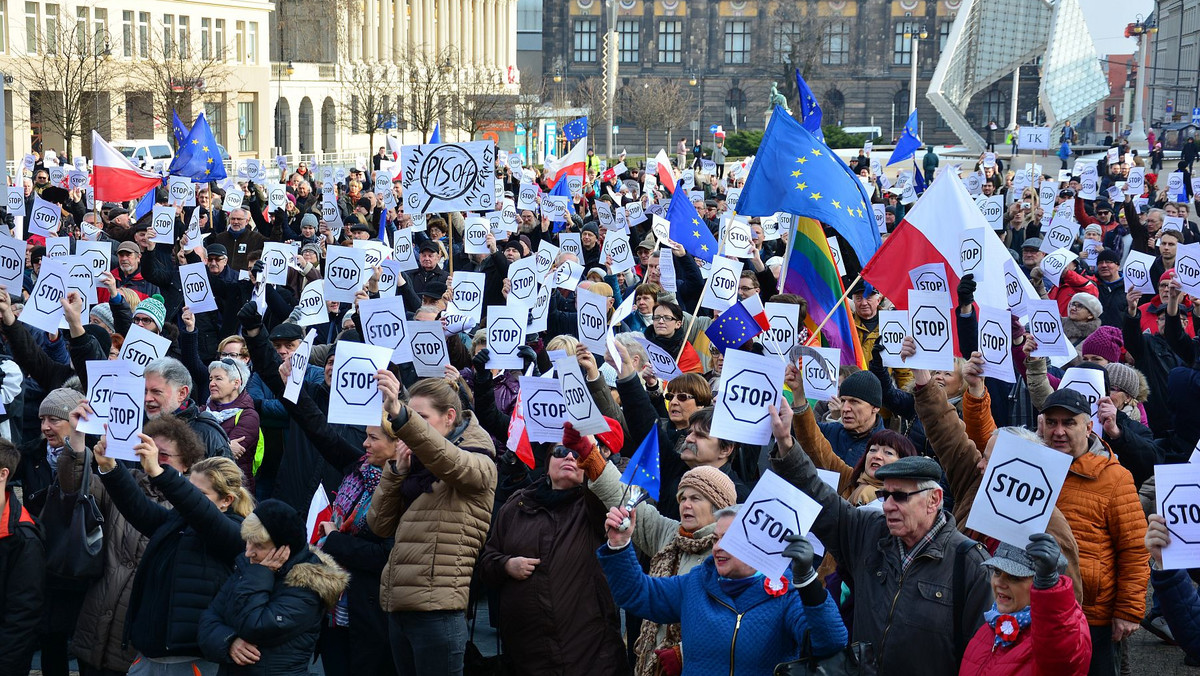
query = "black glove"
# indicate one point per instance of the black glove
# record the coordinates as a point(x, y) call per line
point(257, 269)
point(527, 354)
point(800, 551)
point(966, 290)
point(479, 363)
point(249, 317)
point(1048, 560)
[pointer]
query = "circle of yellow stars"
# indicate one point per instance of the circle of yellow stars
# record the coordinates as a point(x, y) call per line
point(801, 185)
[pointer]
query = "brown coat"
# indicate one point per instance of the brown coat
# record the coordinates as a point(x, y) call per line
point(562, 618)
point(440, 534)
point(960, 458)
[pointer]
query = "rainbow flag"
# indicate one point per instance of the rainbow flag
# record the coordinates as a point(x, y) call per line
point(812, 274)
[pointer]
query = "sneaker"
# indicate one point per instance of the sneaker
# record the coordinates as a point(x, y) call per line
point(1157, 625)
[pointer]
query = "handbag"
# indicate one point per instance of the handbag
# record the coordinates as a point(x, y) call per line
point(74, 528)
point(856, 659)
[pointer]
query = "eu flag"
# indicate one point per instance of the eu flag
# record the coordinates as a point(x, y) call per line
point(908, 143)
point(145, 205)
point(562, 189)
point(576, 129)
point(918, 179)
point(436, 136)
point(733, 328)
point(810, 110)
point(643, 467)
point(198, 158)
point(178, 130)
point(796, 173)
point(689, 229)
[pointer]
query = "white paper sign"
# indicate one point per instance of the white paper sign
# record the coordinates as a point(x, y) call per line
point(880, 213)
point(993, 210)
point(749, 384)
point(126, 410)
point(58, 247)
point(181, 192)
point(545, 410)
point(354, 398)
point(569, 242)
point(275, 258)
point(12, 263)
point(444, 177)
point(784, 331)
point(427, 342)
point(142, 347)
point(101, 378)
point(468, 295)
point(344, 274)
point(581, 410)
point(475, 232)
point(1187, 268)
point(545, 256)
point(163, 225)
point(722, 284)
point(774, 510)
point(44, 218)
point(539, 313)
point(819, 368)
point(197, 294)
point(43, 309)
point(523, 282)
point(1033, 138)
point(291, 390)
point(737, 236)
point(931, 278)
point(1177, 489)
point(616, 245)
point(995, 343)
point(1045, 325)
point(1055, 264)
point(893, 327)
point(932, 330)
point(567, 276)
point(592, 314)
point(312, 304)
point(666, 270)
point(384, 325)
point(663, 362)
point(1137, 272)
point(505, 335)
point(1020, 486)
point(1090, 383)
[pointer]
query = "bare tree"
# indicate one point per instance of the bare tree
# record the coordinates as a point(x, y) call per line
point(373, 101)
point(431, 77)
point(656, 103)
point(176, 74)
point(528, 110)
point(64, 78)
point(589, 94)
point(797, 41)
point(479, 103)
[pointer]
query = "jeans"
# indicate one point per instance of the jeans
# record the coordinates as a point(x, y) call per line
point(197, 667)
point(1104, 652)
point(428, 643)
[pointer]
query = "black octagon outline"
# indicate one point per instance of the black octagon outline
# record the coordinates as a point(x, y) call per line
point(435, 338)
point(1011, 278)
point(733, 379)
point(333, 280)
point(149, 351)
point(97, 387)
point(897, 346)
point(342, 369)
point(1055, 321)
point(1138, 265)
point(717, 292)
point(990, 203)
point(282, 259)
point(1167, 499)
point(786, 320)
point(984, 350)
point(185, 286)
point(399, 321)
point(745, 524)
point(499, 322)
point(603, 323)
point(487, 229)
point(1089, 386)
point(1195, 265)
point(926, 309)
point(587, 397)
point(462, 286)
point(1045, 482)
point(936, 276)
point(39, 299)
point(532, 271)
point(108, 427)
point(168, 227)
point(17, 256)
point(534, 397)
point(962, 247)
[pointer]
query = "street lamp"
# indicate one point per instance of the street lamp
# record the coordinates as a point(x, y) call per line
point(914, 39)
point(696, 81)
point(1140, 29)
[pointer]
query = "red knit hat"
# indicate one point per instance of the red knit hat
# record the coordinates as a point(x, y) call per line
point(614, 438)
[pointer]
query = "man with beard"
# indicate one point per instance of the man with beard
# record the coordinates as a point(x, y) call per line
point(168, 392)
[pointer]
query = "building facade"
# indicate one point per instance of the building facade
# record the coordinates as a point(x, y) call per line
point(857, 56)
point(1174, 77)
point(119, 67)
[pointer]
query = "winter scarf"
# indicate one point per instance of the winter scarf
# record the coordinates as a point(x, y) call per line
point(1077, 331)
point(420, 479)
point(992, 617)
point(666, 564)
point(353, 498)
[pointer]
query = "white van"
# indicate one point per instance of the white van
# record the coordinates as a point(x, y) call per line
point(145, 153)
point(871, 133)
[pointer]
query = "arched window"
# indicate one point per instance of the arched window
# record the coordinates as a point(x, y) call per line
point(306, 126)
point(283, 126)
point(328, 126)
point(900, 112)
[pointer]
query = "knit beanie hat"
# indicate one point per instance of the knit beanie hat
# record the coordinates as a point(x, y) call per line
point(712, 483)
point(278, 522)
point(103, 313)
point(59, 403)
point(1106, 342)
point(1090, 302)
point(1093, 229)
point(153, 308)
point(1124, 378)
point(862, 385)
point(102, 336)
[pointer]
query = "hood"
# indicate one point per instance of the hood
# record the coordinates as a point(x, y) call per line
point(320, 573)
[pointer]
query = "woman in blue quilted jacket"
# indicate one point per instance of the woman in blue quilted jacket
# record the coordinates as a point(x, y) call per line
point(732, 617)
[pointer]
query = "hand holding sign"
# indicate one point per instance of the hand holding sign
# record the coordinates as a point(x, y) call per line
point(1019, 489)
point(759, 535)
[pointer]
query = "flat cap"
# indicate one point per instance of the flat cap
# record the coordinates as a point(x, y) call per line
point(915, 467)
point(287, 331)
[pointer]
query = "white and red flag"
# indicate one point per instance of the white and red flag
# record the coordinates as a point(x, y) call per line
point(114, 177)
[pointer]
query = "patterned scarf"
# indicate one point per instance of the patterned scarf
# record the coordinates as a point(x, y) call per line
point(666, 564)
point(993, 616)
point(353, 498)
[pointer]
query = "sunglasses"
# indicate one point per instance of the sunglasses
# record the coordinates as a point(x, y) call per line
point(900, 497)
point(683, 397)
point(562, 452)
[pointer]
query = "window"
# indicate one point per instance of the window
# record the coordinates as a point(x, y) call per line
point(3, 26)
point(629, 41)
point(902, 43)
point(81, 29)
point(127, 34)
point(944, 33)
point(585, 40)
point(246, 125)
point(144, 34)
point(31, 27)
point(735, 107)
point(168, 44)
point(185, 28)
point(783, 36)
point(835, 44)
point(355, 127)
point(219, 38)
point(205, 39)
point(51, 36)
point(670, 41)
point(240, 41)
point(737, 41)
point(99, 29)
point(215, 112)
point(252, 43)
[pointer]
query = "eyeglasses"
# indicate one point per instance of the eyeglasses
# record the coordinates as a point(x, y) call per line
point(232, 355)
point(562, 452)
point(143, 319)
point(683, 397)
point(665, 318)
point(900, 497)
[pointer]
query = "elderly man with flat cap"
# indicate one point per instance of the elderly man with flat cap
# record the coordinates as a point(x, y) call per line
point(919, 584)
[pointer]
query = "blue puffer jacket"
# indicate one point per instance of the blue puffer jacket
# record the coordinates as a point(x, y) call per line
point(1181, 607)
point(749, 634)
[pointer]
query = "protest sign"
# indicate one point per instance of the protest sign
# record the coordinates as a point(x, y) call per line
point(880, 213)
point(43, 308)
point(666, 270)
point(468, 295)
point(383, 324)
point(299, 359)
point(233, 200)
point(616, 246)
point(276, 196)
point(1061, 235)
point(523, 282)
point(403, 251)
point(783, 333)
point(79, 280)
point(893, 327)
point(819, 368)
point(142, 347)
point(1015, 282)
point(722, 284)
point(443, 177)
point(1089, 383)
point(737, 236)
point(749, 384)
point(312, 304)
point(1187, 268)
point(275, 258)
point(344, 273)
point(163, 225)
point(540, 312)
point(44, 217)
point(1045, 325)
point(581, 410)
point(1055, 264)
point(101, 377)
point(1020, 486)
point(931, 325)
point(545, 256)
point(567, 275)
point(1033, 138)
point(475, 233)
point(126, 410)
point(995, 343)
point(354, 398)
point(557, 208)
point(527, 197)
point(663, 362)
point(592, 314)
point(427, 342)
point(1137, 272)
point(98, 256)
point(774, 510)
point(545, 410)
point(1177, 489)
point(181, 192)
point(931, 278)
point(1135, 182)
point(12, 264)
point(197, 294)
point(569, 242)
point(505, 335)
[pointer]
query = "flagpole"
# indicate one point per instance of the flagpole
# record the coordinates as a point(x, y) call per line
point(841, 302)
point(703, 291)
point(450, 246)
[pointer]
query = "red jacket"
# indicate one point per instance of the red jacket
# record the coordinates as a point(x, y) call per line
point(1070, 284)
point(1057, 643)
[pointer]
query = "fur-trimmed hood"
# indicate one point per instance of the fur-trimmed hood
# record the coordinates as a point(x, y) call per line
point(317, 571)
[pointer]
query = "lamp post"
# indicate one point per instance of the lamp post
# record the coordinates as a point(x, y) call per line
point(1140, 29)
point(698, 82)
point(914, 40)
point(98, 53)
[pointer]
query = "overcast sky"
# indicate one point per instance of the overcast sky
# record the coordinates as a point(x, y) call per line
point(1106, 20)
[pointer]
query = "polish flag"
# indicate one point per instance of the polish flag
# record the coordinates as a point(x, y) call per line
point(114, 177)
point(931, 232)
point(319, 511)
point(573, 163)
point(754, 306)
point(664, 172)
point(518, 436)
point(393, 148)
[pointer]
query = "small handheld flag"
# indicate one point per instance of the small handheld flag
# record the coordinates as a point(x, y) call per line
point(436, 136)
point(810, 110)
point(689, 230)
point(908, 142)
point(643, 469)
point(576, 129)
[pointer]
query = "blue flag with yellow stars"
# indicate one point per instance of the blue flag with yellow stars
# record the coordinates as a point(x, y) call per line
point(796, 173)
point(908, 143)
point(689, 229)
point(178, 130)
point(810, 110)
point(643, 467)
point(576, 129)
point(733, 328)
point(436, 136)
point(198, 158)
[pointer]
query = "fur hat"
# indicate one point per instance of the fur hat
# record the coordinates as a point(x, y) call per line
point(276, 522)
point(153, 308)
point(1090, 302)
point(59, 403)
point(1106, 342)
point(712, 483)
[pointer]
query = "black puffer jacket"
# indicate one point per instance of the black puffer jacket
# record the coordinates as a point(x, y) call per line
point(212, 435)
point(279, 612)
point(22, 563)
point(190, 554)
